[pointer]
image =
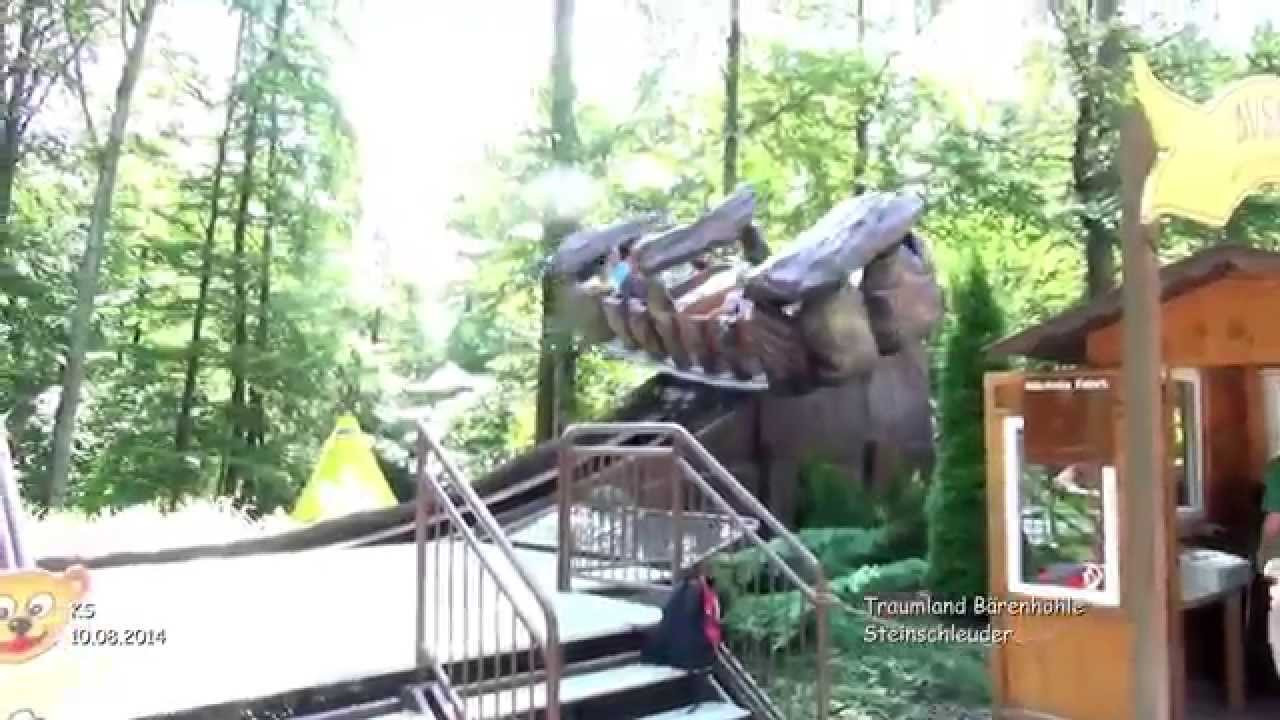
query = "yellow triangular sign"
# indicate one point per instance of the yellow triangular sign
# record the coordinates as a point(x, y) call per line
point(346, 478)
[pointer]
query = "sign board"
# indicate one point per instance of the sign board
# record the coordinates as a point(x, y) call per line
point(1211, 155)
point(1068, 418)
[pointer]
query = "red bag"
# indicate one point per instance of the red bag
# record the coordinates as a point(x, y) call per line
point(711, 614)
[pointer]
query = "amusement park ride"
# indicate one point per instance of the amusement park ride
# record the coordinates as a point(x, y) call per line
point(856, 286)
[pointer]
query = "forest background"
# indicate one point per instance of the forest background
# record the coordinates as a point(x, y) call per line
point(311, 207)
point(224, 223)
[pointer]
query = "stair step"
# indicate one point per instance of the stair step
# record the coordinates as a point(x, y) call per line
point(703, 711)
point(573, 689)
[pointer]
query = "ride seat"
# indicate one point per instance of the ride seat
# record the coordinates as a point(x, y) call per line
point(697, 315)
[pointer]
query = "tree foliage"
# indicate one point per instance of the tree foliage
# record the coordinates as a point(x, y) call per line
point(288, 335)
point(309, 352)
point(957, 506)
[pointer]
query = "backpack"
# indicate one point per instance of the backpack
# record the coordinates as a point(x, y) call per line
point(689, 632)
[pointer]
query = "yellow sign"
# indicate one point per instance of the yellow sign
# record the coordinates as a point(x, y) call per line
point(1211, 155)
point(346, 479)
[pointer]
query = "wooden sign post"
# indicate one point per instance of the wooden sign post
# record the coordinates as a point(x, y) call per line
point(1198, 162)
point(1142, 492)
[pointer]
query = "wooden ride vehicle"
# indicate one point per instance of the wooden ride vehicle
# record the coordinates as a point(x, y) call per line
point(856, 286)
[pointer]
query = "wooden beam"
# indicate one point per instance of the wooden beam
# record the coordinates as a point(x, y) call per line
point(847, 238)
point(1146, 551)
point(721, 226)
point(584, 247)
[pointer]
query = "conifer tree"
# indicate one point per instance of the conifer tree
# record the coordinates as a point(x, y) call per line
point(956, 505)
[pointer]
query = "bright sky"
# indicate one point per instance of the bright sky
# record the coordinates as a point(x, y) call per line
point(431, 85)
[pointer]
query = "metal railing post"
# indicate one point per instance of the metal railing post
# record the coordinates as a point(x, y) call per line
point(677, 514)
point(822, 616)
point(13, 553)
point(481, 538)
point(420, 516)
point(564, 528)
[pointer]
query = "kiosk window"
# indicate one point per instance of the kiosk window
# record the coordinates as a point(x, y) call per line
point(1187, 442)
point(1061, 525)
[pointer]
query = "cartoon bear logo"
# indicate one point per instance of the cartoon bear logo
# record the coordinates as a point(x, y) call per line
point(35, 609)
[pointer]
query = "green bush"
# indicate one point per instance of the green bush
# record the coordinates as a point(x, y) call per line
point(903, 516)
point(779, 618)
point(843, 550)
point(956, 507)
point(904, 681)
point(839, 551)
point(897, 577)
point(831, 498)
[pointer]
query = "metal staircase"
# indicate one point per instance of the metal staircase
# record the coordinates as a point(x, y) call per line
point(638, 516)
point(494, 641)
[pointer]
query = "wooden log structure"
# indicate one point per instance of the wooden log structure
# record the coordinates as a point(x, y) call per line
point(723, 225)
point(845, 240)
point(857, 286)
point(584, 248)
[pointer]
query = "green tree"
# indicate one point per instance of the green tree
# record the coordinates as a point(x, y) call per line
point(956, 505)
point(557, 359)
point(87, 280)
point(732, 67)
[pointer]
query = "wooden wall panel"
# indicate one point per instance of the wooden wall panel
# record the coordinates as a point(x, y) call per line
point(1228, 322)
point(1256, 420)
point(1073, 666)
point(1002, 398)
point(1230, 476)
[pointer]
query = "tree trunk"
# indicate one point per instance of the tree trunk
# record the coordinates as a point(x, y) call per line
point(15, 107)
point(182, 438)
point(731, 70)
point(8, 173)
point(235, 482)
point(556, 358)
point(139, 301)
point(862, 124)
point(258, 434)
point(1091, 120)
point(91, 264)
point(18, 69)
point(238, 412)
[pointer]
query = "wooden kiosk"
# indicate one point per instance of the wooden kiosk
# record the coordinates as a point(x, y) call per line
point(1124, 487)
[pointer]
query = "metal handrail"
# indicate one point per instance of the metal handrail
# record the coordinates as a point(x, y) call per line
point(545, 636)
point(687, 442)
point(810, 592)
point(686, 447)
point(13, 553)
